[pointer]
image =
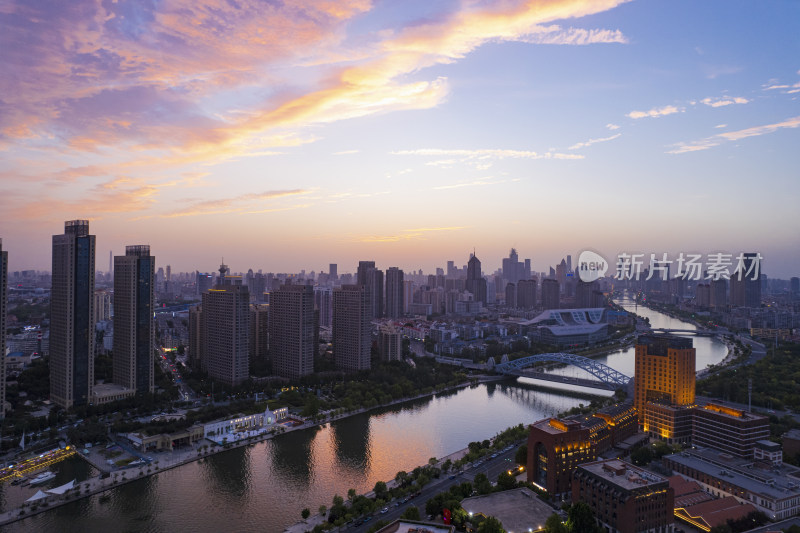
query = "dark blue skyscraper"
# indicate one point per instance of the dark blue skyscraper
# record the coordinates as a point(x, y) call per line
point(134, 283)
point(71, 316)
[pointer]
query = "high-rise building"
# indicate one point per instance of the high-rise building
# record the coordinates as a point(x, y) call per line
point(3, 304)
point(323, 302)
point(71, 316)
point(372, 279)
point(511, 295)
point(203, 281)
point(476, 283)
point(352, 337)
point(551, 298)
point(665, 373)
point(512, 268)
point(719, 294)
point(794, 286)
point(197, 339)
point(292, 332)
point(526, 294)
point(584, 294)
point(746, 282)
point(134, 334)
point(390, 343)
point(226, 321)
point(394, 293)
point(408, 295)
point(259, 332)
point(702, 295)
point(102, 306)
point(333, 271)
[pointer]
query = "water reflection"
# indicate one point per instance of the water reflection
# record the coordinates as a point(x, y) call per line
point(351, 443)
point(292, 457)
point(229, 473)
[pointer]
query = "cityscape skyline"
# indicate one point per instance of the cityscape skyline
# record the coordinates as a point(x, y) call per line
point(295, 136)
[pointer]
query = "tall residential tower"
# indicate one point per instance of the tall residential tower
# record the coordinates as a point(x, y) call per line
point(71, 316)
point(134, 334)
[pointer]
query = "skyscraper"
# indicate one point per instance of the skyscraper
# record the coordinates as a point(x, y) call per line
point(371, 278)
point(226, 320)
point(71, 316)
point(512, 268)
point(394, 293)
point(333, 271)
point(134, 286)
point(3, 304)
point(292, 331)
point(352, 338)
point(746, 282)
point(719, 294)
point(584, 294)
point(259, 332)
point(550, 294)
point(197, 339)
point(323, 302)
point(476, 283)
point(526, 294)
point(511, 295)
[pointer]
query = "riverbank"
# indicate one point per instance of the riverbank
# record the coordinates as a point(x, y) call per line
point(168, 460)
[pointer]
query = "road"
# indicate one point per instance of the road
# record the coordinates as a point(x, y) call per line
point(491, 467)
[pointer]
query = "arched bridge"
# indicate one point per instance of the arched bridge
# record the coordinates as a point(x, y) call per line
point(697, 331)
point(609, 377)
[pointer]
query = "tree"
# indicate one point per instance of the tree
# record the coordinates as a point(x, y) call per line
point(555, 525)
point(491, 525)
point(351, 494)
point(482, 484)
point(506, 481)
point(338, 501)
point(305, 513)
point(580, 519)
point(380, 490)
point(447, 465)
point(642, 456)
point(521, 457)
point(322, 510)
point(412, 513)
point(401, 477)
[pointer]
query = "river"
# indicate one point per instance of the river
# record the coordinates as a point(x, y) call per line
point(264, 487)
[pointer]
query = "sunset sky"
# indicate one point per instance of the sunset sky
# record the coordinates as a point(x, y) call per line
point(289, 135)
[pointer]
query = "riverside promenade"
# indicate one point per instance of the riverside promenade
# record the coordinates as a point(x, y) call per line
point(173, 459)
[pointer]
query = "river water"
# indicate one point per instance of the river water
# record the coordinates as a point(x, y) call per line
point(264, 487)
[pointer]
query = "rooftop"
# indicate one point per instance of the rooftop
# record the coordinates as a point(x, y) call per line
point(518, 509)
point(622, 474)
point(410, 526)
point(555, 426)
point(657, 344)
point(773, 482)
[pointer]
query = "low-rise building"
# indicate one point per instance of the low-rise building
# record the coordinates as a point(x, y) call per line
point(772, 489)
point(110, 392)
point(624, 498)
point(699, 509)
point(730, 430)
point(217, 430)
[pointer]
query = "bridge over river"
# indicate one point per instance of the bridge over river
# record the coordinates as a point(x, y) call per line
point(605, 377)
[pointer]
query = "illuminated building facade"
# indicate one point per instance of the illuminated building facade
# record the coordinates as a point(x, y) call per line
point(624, 498)
point(555, 449)
point(665, 374)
